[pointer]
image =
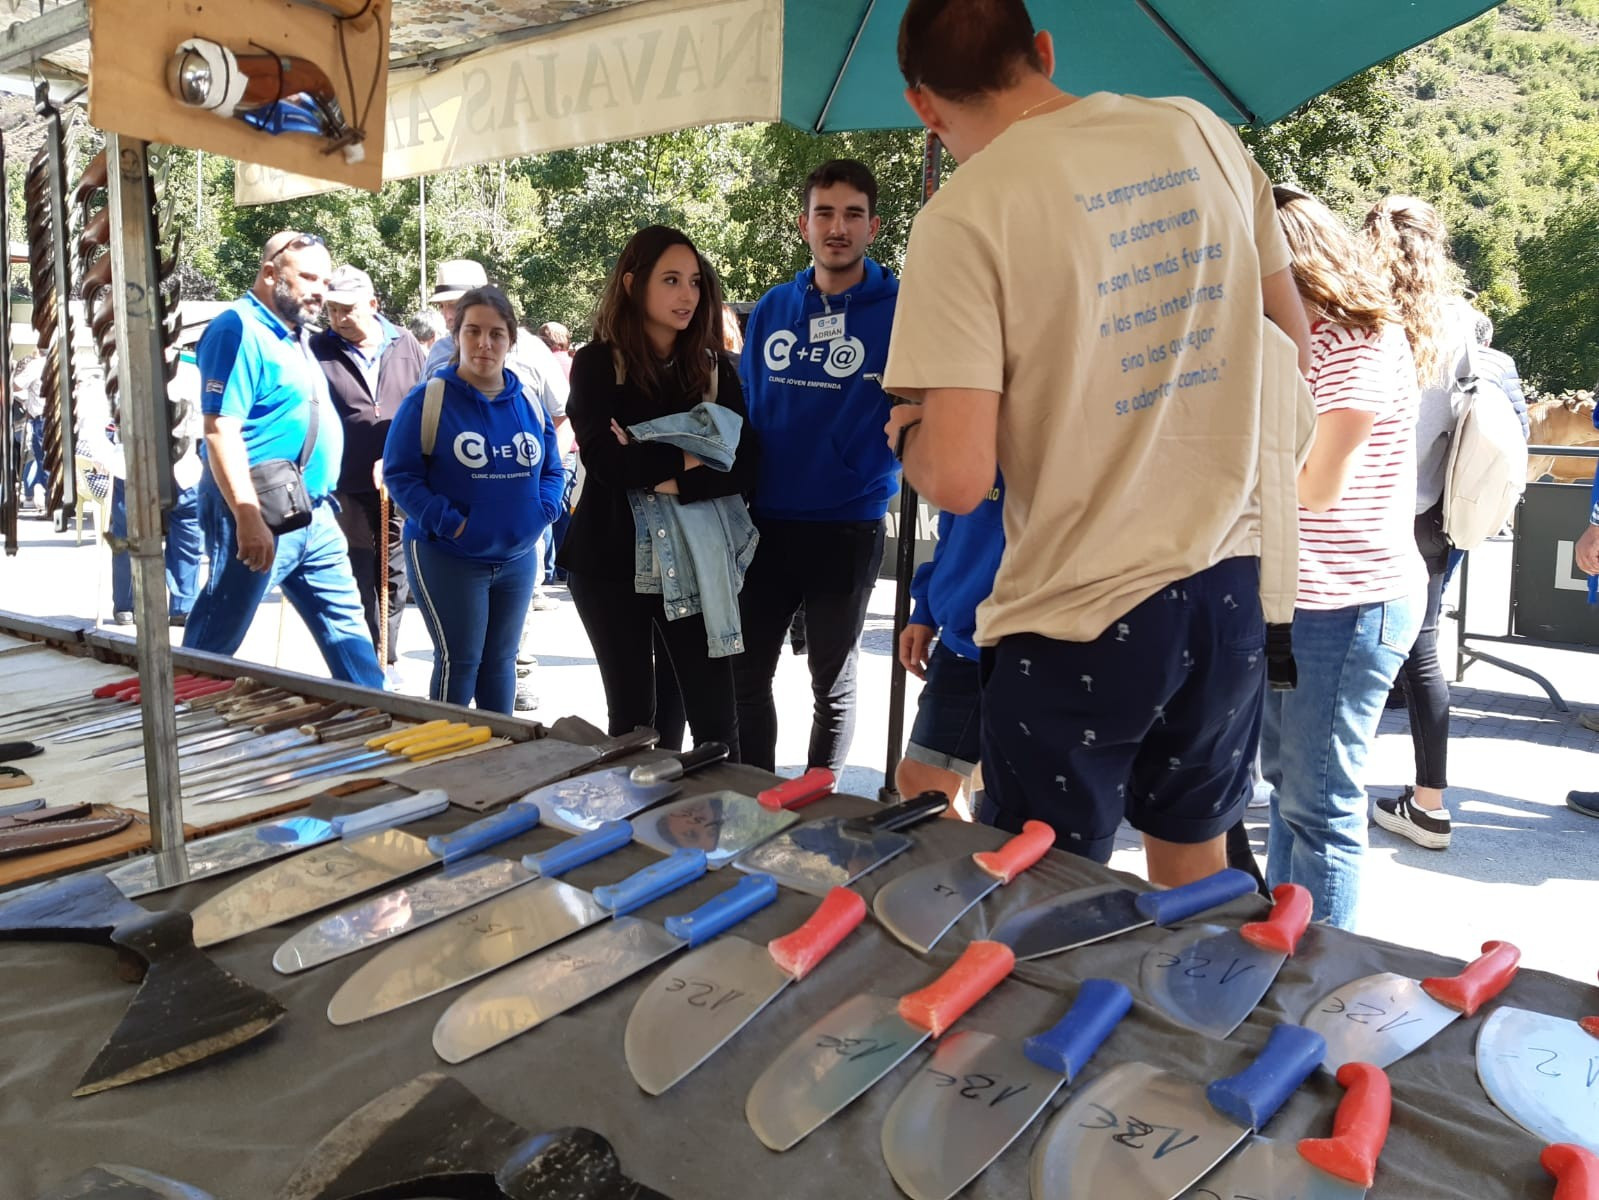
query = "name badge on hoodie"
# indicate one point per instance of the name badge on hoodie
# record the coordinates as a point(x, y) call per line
point(827, 327)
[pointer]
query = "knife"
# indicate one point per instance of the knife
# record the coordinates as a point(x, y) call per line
point(323, 876)
point(696, 1007)
point(299, 725)
point(1575, 1169)
point(724, 824)
point(817, 856)
point(978, 1093)
point(1210, 979)
point(500, 931)
point(528, 994)
point(1541, 1072)
point(920, 906)
point(308, 743)
point(587, 801)
point(227, 728)
point(861, 1041)
point(1140, 1133)
point(190, 697)
point(1382, 1018)
point(1341, 1167)
point(218, 854)
point(1094, 914)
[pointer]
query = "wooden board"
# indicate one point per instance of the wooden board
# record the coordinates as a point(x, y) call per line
point(131, 44)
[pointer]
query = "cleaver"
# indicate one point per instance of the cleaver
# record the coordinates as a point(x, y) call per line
point(1341, 1167)
point(724, 824)
point(1382, 1018)
point(1543, 1073)
point(1140, 1133)
point(1210, 979)
point(586, 802)
point(818, 856)
point(696, 1007)
point(979, 1092)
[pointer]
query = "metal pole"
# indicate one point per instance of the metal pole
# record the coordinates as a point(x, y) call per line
point(141, 371)
point(199, 188)
point(905, 550)
point(422, 194)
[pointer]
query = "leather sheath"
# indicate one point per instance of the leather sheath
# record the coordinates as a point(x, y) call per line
point(36, 816)
point(11, 751)
point(14, 777)
point(52, 835)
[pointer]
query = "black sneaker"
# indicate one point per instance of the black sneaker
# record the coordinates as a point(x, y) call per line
point(1587, 803)
point(1427, 829)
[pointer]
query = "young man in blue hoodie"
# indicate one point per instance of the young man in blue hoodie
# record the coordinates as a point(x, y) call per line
point(813, 356)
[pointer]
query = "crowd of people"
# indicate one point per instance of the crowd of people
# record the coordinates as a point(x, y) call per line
point(1072, 367)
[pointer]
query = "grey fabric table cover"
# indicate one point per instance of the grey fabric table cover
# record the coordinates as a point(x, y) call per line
point(238, 1124)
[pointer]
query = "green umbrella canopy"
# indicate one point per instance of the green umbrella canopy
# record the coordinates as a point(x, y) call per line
point(1252, 61)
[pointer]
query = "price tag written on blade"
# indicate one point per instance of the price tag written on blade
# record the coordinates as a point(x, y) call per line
point(987, 1090)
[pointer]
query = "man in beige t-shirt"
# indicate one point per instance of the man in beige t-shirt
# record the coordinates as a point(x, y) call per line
point(1081, 306)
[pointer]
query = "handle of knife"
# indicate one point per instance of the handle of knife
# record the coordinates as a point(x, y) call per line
point(1180, 903)
point(372, 722)
point(405, 743)
point(303, 716)
point(1575, 1169)
point(797, 954)
point(395, 812)
point(1281, 931)
point(1590, 1026)
point(797, 793)
point(1250, 1097)
point(749, 895)
point(679, 765)
point(978, 971)
point(106, 690)
point(1480, 982)
point(199, 688)
point(1360, 1127)
point(1069, 1044)
point(517, 817)
point(1016, 855)
point(388, 739)
point(575, 852)
point(900, 816)
point(423, 751)
point(653, 882)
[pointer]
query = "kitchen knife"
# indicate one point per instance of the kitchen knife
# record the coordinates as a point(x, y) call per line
point(1543, 1073)
point(697, 1005)
point(218, 854)
point(1210, 979)
point(316, 723)
point(587, 801)
point(528, 994)
point(1341, 1167)
point(192, 696)
point(1382, 1018)
point(1094, 914)
point(920, 907)
point(509, 927)
point(817, 856)
point(261, 755)
point(1140, 1133)
point(861, 1041)
point(979, 1092)
point(724, 824)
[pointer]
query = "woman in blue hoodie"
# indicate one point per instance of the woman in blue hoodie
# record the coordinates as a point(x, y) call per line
point(475, 504)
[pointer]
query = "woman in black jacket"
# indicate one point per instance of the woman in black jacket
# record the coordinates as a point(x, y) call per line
point(650, 358)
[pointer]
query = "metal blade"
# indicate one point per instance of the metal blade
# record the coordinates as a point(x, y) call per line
point(971, 1100)
point(1271, 1170)
point(588, 801)
point(1136, 1133)
point(219, 854)
point(828, 1066)
point(1075, 919)
point(289, 777)
point(469, 945)
point(316, 879)
point(919, 907)
point(818, 856)
point(695, 1007)
point(514, 1001)
point(239, 747)
point(432, 898)
point(1378, 1019)
point(723, 824)
point(1208, 978)
point(1543, 1073)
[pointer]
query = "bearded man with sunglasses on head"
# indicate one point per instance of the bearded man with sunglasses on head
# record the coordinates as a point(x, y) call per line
point(267, 409)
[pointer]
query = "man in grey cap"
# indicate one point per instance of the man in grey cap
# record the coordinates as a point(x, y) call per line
point(371, 365)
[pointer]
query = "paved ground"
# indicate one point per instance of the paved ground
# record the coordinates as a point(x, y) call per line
point(1521, 866)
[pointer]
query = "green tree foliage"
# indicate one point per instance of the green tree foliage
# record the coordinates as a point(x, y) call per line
point(1555, 334)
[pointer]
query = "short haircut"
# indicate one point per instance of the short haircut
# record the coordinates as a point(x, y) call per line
point(842, 170)
point(427, 326)
point(964, 49)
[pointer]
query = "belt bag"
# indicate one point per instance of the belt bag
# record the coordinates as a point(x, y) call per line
point(280, 486)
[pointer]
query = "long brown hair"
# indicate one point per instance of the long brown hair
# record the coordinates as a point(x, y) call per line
point(619, 320)
point(1412, 246)
point(1334, 271)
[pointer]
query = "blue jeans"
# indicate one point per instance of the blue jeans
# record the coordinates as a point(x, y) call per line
point(1315, 742)
point(312, 566)
point(34, 474)
point(182, 552)
point(473, 611)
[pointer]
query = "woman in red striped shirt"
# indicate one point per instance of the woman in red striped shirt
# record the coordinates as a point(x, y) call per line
point(1361, 580)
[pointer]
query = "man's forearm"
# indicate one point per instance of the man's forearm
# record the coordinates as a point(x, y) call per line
point(230, 466)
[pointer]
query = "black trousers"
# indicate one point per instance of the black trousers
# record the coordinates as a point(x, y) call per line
point(1426, 689)
point(623, 627)
point(359, 518)
point(829, 567)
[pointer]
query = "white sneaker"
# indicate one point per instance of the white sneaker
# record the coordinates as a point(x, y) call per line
point(526, 701)
point(1261, 796)
point(393, 681)
point(543, 603)
point(525, 657)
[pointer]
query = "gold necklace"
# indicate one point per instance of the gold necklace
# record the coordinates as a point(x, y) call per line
point(1032, 108)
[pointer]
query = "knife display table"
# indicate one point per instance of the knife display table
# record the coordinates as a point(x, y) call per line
point(238, 1124)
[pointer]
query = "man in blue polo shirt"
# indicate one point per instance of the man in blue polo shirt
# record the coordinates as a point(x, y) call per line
point(259, 385)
